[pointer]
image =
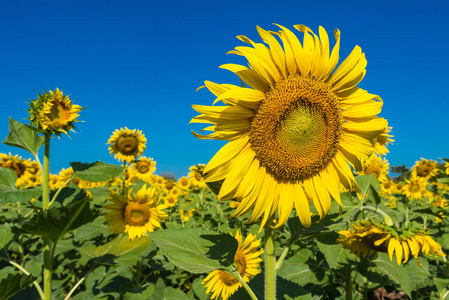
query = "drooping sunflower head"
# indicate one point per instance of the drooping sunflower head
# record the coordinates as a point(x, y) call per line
point(136, 214)
point(382, 141)
point(246, 261)
point(143, 169)
point(127, 144)
point(54, 112)
point(376, 166)
point(295, 130)
point(425, 168)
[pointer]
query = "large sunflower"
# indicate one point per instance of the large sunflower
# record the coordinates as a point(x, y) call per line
point(246, 261)
point(135, 214)
point(127, 144)
point(296, 130)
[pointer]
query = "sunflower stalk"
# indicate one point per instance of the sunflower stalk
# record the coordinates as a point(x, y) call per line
point(35, 283)
point(270, 264)
point(48, 259)
point(245, 285)
point(348, 284)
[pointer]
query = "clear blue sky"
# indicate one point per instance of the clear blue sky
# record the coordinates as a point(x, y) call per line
point(138, 65)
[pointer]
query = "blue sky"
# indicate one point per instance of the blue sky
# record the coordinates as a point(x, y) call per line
point(138, 65)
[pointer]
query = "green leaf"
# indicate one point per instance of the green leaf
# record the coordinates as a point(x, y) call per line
point(334, 252)
point(370, 187)
point(14, 284)
point(97, 171)
point(121, 250)
point(8, 191)
point(301, 269)
point(195, 250)
point(199, 289)
point(24, 136)
point(408, 276)
point(57, 221)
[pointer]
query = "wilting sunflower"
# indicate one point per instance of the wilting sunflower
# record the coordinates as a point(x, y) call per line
point(370, 238)
point(127, 144)
point(382, 141)
point(425, 168)
point(54, 112)
point(246, 261)
point(415, 188)
point(143, 169)
point(377, 166)
point(295, 131)
point(135, 214)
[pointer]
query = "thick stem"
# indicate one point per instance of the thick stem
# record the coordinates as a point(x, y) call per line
point(270, 264)
point(348, 283)
point(48, 259)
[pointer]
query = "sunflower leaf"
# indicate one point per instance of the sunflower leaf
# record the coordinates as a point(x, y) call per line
point(13, 284)
point(57, 221)
point(196, 250)
point(370, 187)
point(24, 136)
point(8, 191)
point(96, 172)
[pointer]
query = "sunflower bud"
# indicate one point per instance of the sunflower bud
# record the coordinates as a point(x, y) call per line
point(54, 112)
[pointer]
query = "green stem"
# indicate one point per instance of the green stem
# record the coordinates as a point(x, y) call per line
point(59, 190)
point(386, 218)
point(281, 259)
point(348, 283)
point(48, 259)
point(38, 287)
point(74, 288)
point(245, 285)
point(270, 264)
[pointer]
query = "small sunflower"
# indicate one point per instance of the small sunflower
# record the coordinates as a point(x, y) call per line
point(170, 200)
point(425, 168)
point(186, 215)
point(377, 166)
point(20, 166)
point(54, 112)
point(246, 261)
point(367, 237)
point(196, 175)
point(135, 214)
point(446, 165)
point(295, 130)
point(381, 142)
point(143, 168)
point(184, 183)
point(387, 187)
point(415, 188)
point(127, 144)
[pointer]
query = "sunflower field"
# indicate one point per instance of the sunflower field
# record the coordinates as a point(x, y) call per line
point(301, 203)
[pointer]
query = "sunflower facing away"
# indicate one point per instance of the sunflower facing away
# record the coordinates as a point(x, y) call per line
point(295, 130)
point(127, 144)
point(246, 260)
point(54, 112)
point(367, 237)
point(135, 214)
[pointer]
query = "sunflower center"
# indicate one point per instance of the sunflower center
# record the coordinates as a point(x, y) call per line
point(18, 168)
point(127, 145)
point(143, 167)
point(373, 170)
point(240, 263)
point(296, 131)
point(227, 279)
point(137, 214)
point(370, 240)
point(414, 188)
point(423, 171)
point(59, 113)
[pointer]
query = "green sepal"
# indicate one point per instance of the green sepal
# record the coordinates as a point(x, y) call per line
point(8, 191)
point(97, 171)
point(196, 250)
point(215, 186)
point(13, 284)
point(24, 137)
point(57, 221)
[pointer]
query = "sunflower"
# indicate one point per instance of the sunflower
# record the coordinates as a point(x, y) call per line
point(185, 215)
point(446, 165)
point(387, 187)
point(370, 238)
point(54, 112)
point(425, 168)
point(127, 144)
point(170, 200)
point(135, 214)
point(415, 188)
point(143, 168)
point(295, 131)
point(246, 261)
point(196, 176)
point(381, 142)
point(184, 183)
point(20, 166)
point(377, 166)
